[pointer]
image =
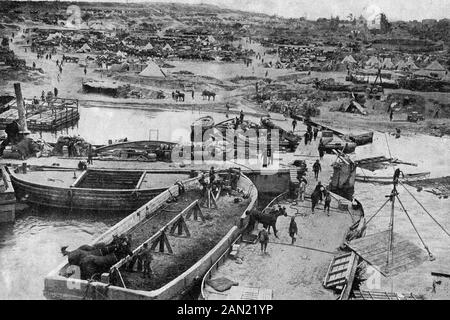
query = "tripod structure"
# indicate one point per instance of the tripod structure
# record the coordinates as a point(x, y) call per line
point(392, 198)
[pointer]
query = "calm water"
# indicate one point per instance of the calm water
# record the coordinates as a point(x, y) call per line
point(30, 247)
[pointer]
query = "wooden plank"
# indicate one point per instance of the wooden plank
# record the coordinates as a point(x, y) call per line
point(141, 179)
point(80, 177)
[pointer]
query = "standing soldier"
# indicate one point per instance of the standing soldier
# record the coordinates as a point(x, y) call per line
point(263, 237)
point(302, 190)
point(317, 168)
point(294, 124)
point(293, 230)
point(316, 132)
point(146, 258)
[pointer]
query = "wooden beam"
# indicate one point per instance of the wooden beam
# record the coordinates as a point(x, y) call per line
point(350, 279)
point(78, 180)
point(141, 179)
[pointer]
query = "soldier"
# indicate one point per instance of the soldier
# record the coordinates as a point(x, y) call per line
point(146, 257)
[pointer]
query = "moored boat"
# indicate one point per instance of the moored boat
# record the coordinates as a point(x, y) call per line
point(361, 139)
point(92, 189)
point(193, 249)
point(144, 149)
point(205, 123)
point(408, 177)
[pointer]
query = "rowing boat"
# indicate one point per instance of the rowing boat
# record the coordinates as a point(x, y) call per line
point(361, 139)
point(97, 190)
point(409, 177)
point(145, 145)
point(176, 270)
point(205, 123)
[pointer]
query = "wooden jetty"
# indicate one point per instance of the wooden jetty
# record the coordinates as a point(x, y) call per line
point(45, 116)
point(172, 231)
point(92, 189)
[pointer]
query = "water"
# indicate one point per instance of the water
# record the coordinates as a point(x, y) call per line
point(30, 247)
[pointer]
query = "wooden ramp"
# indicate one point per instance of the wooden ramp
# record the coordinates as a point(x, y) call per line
point(381, 295)
point(374, 249)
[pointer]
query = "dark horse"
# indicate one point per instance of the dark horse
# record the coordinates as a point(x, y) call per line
point(76, 256)
point(208, 94)
point(91, 265)
point(267, 219)
point(178, 96)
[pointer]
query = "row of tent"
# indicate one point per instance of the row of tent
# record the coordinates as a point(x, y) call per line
point(403, 65)
point(86, 48)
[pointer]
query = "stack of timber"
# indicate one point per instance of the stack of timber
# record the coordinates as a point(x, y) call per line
point(192, 245)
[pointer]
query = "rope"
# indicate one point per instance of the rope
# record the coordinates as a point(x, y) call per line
point(377, 211)
point(303, 247)
point(435, 221)
point(415, 229)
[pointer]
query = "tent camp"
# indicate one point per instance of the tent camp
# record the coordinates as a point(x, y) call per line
point(152, 70)
point(373, 62)
point(349, 60)
point(54, 36)
point(85, 48)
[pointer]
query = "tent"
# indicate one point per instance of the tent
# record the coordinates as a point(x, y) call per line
point(198, 39)
point(411, 65)
point(85, 48)
point(401, 65)
point(167, 47)
point(387, 64)
point(148, 46)
point(349, 60)
point(152, 70)
point(436, 67)
point(373, 62)
point(211, 39)
point(353, 107)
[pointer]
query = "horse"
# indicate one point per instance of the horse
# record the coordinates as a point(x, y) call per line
point(91, 265)
point(208, 94)
point(178, 96)
point(267, 219)
point(99, 249)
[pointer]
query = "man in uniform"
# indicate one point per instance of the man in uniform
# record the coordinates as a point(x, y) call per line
point(146, 257)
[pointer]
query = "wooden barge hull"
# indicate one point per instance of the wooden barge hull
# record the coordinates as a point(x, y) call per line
point(57, 286)
point(138, 145)
point(388, 180)
point(73, 198)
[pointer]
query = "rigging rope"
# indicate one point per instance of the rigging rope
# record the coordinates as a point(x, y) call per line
point(425, 209)
point(377, 211)
point(415, 229)
point(303, 247)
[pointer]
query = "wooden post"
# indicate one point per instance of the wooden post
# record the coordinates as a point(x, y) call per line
point(21, 109)
point(391, 231)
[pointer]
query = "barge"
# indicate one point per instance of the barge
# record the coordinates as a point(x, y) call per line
point(201, 246)
point(92, 189)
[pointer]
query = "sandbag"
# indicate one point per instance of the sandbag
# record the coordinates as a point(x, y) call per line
point(221, 284)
